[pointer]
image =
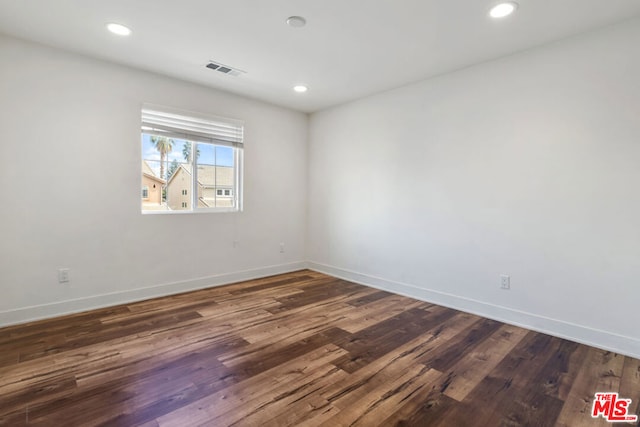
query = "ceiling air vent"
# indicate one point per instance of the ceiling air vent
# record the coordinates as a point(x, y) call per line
point(224, 69)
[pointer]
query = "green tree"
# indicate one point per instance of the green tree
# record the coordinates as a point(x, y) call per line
point(172, 169)
point(186, 151)
point(164, 146)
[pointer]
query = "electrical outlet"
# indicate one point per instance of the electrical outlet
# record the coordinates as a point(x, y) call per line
point(505, 282)
point(63, 275)
point(281, 248)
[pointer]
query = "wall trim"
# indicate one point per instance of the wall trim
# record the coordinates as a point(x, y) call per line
point(589, 336)
point(593, 337)
point(61, 308)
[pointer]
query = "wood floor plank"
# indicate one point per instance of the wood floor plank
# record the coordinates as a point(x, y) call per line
point(278, 356)
point(298, 401)
point(600, 372)
point(392, 364)
point(372, 297)
point(459, 347)
point(298, 349)
point(375, 375)
point(14, 335)
point(373, 342)
point(490, 403)
point(46, 390)
point(15, 418)
point(371, 314)
point(229, 406)
point(257, 350)
point(369, 409)
point(105, 357)
point(290, 322)
point(428, 407)
point(629, 384)
point(534, 388)
point(102, 333)
point(269, 285)
point(470, 371)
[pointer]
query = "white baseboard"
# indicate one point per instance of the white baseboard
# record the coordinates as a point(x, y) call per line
point(44, 311)
point(593, 337)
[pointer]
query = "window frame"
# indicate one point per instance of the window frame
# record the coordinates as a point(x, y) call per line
point(233, 140)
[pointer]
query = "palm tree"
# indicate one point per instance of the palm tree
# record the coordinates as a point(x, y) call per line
point(186, 151)
point(164, 146)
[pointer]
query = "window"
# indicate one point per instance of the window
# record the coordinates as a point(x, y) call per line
point(191, 156)
point(145, 192)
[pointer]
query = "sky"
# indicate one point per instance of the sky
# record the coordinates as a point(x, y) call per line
point(209, 154)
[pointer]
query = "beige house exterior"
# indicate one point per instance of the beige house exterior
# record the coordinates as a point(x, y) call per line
point(215, 187)
point(151, 189)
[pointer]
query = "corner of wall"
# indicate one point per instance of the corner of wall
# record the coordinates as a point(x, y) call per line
point(593, 337)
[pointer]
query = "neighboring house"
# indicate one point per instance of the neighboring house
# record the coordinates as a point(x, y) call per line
point(151, 188)
point(215, 187)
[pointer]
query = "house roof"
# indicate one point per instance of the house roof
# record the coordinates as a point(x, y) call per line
point(215, 176)
point(148, 172)
point(209, 176)
point(146, 168)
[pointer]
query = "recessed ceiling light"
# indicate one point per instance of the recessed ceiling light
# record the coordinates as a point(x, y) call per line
point(118, 29)
point(300, 88)
point(503, 9)
point(296, 21)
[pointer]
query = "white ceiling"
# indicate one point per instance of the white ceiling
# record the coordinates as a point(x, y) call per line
point(349, 48)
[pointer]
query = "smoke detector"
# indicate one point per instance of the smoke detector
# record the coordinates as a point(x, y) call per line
point(296, 21)
point(224, 69)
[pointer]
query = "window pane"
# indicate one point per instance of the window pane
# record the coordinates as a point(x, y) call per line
point(151, 176)
point(166, 173)
point(216, 174)
point(179, 173)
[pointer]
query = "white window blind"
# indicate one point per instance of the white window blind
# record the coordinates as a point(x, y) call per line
point(197, 129)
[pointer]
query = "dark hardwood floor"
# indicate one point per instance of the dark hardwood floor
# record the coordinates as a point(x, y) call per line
point(299, 349)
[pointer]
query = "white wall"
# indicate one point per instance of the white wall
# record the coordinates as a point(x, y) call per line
point(527, 166)
point(70, 181)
